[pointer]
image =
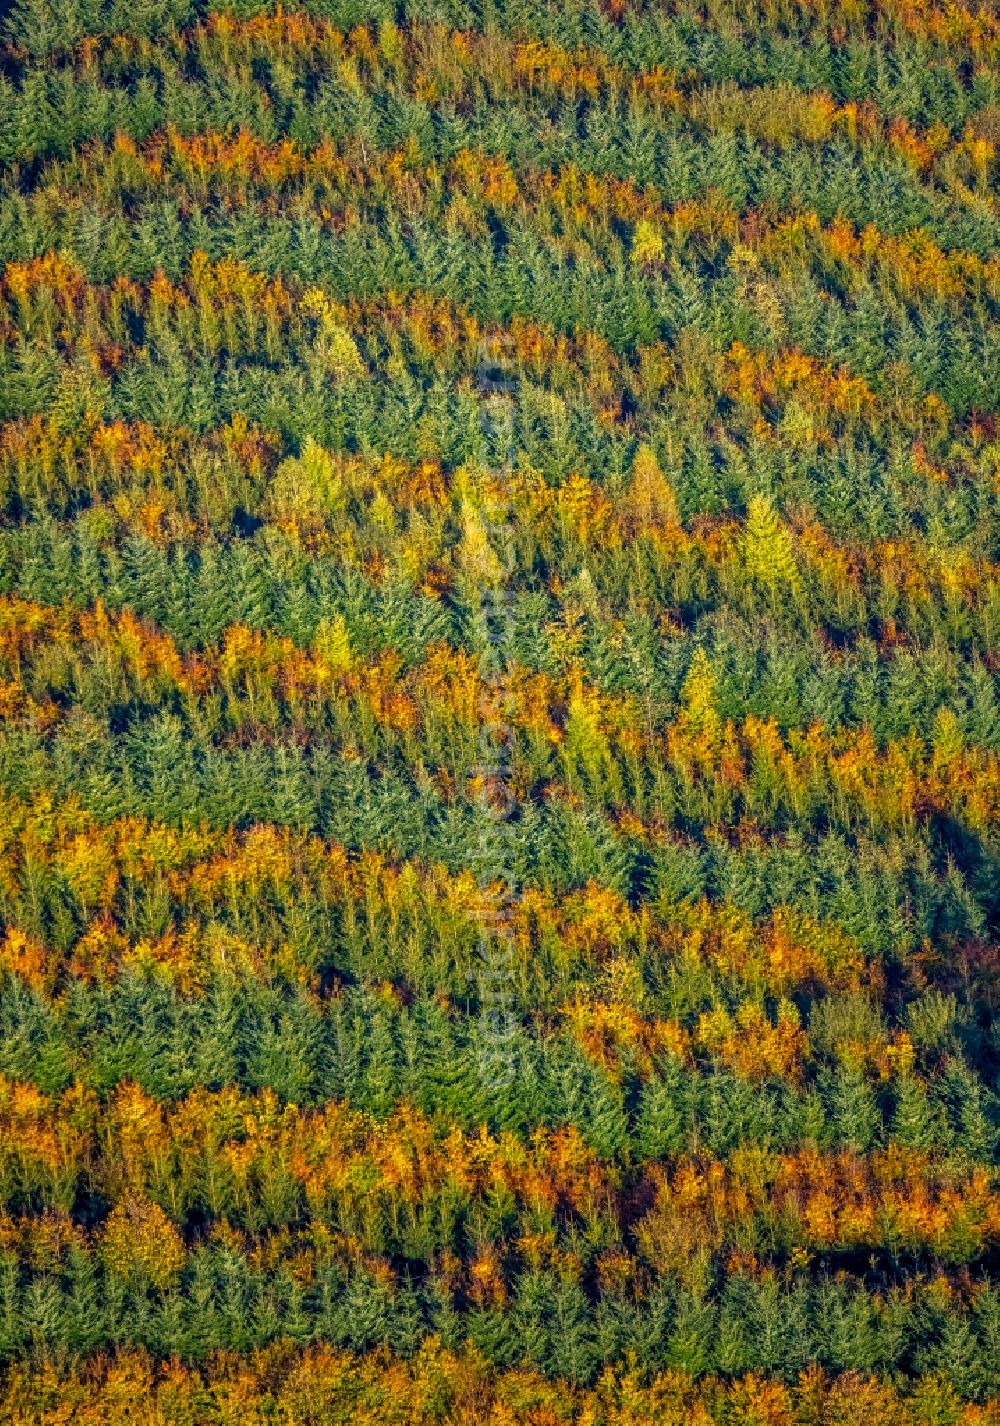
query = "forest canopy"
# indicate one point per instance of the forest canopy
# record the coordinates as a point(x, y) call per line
point(500, 712)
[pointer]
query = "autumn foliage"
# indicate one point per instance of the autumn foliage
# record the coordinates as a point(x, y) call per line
point(500, 712)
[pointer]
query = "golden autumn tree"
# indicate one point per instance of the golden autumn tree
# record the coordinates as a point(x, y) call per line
point(140, 1242)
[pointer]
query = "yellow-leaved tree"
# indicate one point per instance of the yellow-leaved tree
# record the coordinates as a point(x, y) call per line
point(140, 1243)
point(768, 552)
point(335, 348)
point(647, 243)
point(652, 499)
point(332, 644)
point(476, 556)
point(306, 493)
point(699, 715)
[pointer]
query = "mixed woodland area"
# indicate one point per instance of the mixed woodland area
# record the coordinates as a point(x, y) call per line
point(500, 483)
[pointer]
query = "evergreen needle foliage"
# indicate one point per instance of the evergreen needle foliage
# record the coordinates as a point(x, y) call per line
point(500, 712)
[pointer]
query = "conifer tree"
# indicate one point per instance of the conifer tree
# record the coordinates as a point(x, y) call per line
point(767, 547)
